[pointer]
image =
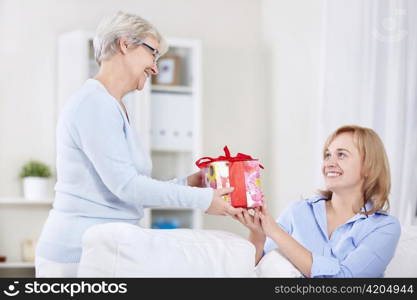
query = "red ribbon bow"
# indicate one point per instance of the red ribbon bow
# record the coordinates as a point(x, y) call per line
point(226, 157)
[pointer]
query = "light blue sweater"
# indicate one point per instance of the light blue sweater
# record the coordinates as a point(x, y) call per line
point(103, 175)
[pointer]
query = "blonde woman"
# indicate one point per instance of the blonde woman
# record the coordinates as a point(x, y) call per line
point(103, 171)
point(345, 231)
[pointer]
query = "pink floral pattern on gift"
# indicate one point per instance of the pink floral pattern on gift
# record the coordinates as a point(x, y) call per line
point(253, 184)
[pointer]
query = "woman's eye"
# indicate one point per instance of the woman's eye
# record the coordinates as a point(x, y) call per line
point(341, 155)
point(326, 155)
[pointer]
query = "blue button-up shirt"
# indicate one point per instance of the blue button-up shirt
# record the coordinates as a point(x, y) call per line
point(362, 247)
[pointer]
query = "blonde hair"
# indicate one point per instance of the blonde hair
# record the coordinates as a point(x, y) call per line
point(375, 165)
point(131, 26)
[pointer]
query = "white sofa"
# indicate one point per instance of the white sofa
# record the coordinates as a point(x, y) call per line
point(124, 250)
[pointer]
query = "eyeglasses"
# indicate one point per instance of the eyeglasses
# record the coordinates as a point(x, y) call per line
point(155, 52)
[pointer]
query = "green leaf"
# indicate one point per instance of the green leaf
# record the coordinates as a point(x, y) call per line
point(35, 169)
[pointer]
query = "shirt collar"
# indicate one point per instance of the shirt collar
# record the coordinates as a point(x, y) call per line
point(318, 206)
point(315, 199)
point(368, 207)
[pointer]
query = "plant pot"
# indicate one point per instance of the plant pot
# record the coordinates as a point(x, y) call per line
point(35, 188)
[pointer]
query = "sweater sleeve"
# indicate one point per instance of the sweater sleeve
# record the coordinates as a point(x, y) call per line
point(99, 128)
point(180, 181)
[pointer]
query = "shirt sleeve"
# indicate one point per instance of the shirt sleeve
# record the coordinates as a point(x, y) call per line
point(100, 129)
point(369, 259)
point(285, 220)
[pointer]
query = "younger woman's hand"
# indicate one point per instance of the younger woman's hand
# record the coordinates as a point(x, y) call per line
point(253, 223)
point(268, 224)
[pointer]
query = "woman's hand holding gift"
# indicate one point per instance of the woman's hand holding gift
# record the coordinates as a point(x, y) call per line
point(260, 224)
point(219, 206)
point(195, 180)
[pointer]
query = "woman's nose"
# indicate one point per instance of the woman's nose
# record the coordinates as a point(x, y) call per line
point(330, 161)
point(154, 69)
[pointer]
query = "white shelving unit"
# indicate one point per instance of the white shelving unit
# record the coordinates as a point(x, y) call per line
point(176, 130)
point(13, 210)
point(22, 201)
point(17, 265)
point(17, 269)
point(172, 89)
point(167, 117)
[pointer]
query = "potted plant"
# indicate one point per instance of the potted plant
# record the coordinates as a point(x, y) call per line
point(35, 177)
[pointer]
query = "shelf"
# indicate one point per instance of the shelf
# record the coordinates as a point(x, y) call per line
point(168, 218)
point(15, 265)
point(173, 150)
point(172, 89)
point(173, 208)
point(22, 201)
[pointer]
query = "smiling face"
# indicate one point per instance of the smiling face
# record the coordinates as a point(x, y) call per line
point(140, 63)
point(342, 164)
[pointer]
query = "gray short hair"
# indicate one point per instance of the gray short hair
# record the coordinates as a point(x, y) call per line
point(131, 26)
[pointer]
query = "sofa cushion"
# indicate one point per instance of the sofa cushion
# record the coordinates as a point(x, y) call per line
point(125, 250)
point(274, 264)
point(404, 262)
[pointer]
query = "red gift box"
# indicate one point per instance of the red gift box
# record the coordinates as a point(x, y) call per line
point(241, 172)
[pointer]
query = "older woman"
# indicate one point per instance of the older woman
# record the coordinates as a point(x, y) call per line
point(345, 231)
point(103, 172)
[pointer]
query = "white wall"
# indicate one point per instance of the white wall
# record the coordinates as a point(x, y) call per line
point(233, 82)
point(292, 32)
